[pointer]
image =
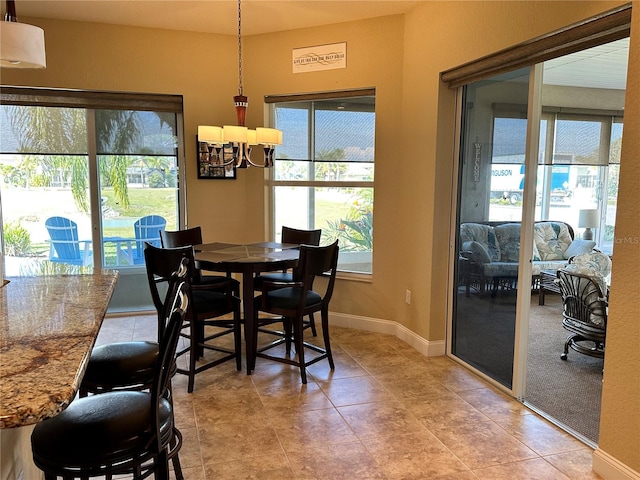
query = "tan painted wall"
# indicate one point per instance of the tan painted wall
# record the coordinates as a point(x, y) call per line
point(402, 57)
point(620, 414)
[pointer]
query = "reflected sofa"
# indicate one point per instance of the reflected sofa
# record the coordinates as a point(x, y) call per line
point(489, 252)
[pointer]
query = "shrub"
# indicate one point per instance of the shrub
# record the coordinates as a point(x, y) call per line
point(17, 241)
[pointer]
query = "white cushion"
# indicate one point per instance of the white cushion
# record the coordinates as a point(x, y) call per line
point(578, 247)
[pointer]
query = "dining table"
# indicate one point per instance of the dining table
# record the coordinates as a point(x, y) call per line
point(247, 260)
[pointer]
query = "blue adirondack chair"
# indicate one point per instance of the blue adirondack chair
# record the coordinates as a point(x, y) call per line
point(64, 245)
point(147, 229)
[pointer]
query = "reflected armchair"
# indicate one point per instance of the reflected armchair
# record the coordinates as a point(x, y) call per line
point(64, 245)
point(584, 313)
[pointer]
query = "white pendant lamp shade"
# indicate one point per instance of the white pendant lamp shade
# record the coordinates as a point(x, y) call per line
point(21, 46)
point(210, 134)
point(252, 137)
point(268, 136)
point(235, 134)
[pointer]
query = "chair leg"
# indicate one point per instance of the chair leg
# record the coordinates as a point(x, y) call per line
point(161, 466)
point(237, 337)
point(312, 325)
point(566, 347)
point(299, 341)
point(200, 339)
point(286, 325)
point(193, 354)
point(325, 335)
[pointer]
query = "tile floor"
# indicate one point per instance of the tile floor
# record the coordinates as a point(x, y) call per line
point(386, 412)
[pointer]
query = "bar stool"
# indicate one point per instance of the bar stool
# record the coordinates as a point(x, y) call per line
point(120, 432)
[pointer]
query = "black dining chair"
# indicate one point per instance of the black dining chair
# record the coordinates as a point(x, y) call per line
point(296, 237)
point(122, 432)
point(293, 301)
point(129, 365)
point(209, 306)
point(193, 236)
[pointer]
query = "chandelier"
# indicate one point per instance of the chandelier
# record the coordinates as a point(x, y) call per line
point(232, 144)
point(21, 45)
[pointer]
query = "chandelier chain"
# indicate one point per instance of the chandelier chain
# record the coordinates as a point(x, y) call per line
point(239, 49)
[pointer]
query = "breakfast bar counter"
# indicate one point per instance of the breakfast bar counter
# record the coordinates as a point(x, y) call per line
point(48, 327)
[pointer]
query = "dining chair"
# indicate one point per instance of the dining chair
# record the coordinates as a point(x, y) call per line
point(193, 236)
point(64, 245)
point(296, 237)
point(130, 365)
point(147, 230)
point(209, 306)
point(121, 432)
point(293, 301)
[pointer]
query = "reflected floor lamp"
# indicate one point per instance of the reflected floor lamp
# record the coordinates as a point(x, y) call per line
point(588, 219)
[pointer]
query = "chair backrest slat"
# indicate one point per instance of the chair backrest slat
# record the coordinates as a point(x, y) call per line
point(181, 238)
point(301, 237)
point(582, 299)
point(318, 261)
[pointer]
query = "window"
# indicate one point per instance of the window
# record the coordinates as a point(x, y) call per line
point(324, 171)
point(87, 186)
point(579, 159)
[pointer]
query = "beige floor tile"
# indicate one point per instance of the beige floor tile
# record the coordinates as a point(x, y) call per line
point(345, 366)
point(483, 444)
point(195, 473)
point(293, 397)
point(539, 435)
point(334, 462)
point(254, 468)
point(355, 390)
point(442, 408)
point(384, 418)
point(190, 454)
point(315, 427)
point(234, 441)
point(413, 456)
point(216, 406)
point(492, 403)
point(536, 469)
point(455, 377)
point(575, 465)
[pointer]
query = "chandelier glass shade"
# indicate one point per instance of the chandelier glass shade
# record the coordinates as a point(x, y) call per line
point(232, 144)
point(21, 45)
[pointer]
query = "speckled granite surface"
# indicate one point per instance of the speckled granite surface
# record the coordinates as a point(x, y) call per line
point(48, 326)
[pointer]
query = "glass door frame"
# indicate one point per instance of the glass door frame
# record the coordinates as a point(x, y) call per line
point(525, 255)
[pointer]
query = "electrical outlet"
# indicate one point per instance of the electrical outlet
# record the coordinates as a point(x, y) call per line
point(407, 296)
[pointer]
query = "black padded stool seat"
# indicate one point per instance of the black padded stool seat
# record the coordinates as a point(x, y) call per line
point(104, 429)
point(121, 365)
point(289, 298)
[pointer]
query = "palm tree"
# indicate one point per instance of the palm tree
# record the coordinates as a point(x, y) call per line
point(54, 141)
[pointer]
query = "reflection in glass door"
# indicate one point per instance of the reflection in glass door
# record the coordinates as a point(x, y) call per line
point(491, 192)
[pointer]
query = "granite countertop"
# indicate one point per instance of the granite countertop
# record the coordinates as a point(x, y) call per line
point(48, 326)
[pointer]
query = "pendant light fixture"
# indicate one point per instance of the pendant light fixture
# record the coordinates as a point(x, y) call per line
point(238, 138)
point(21, 45)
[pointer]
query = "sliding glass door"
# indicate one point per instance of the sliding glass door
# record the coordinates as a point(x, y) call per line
point(85, 187)
point(491, 186)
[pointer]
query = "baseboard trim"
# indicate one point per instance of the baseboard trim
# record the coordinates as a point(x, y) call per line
point(426, 347)
point(611, 468)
